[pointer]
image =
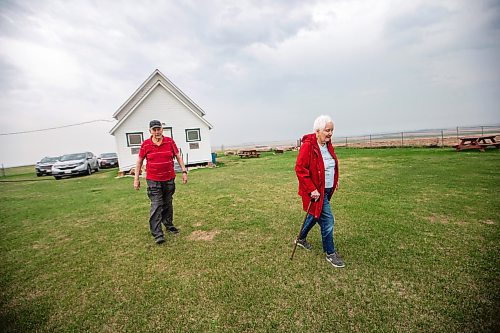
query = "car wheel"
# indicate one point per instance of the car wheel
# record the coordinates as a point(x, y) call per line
point(97, 167)
point(89, 171)
point(38, 174)
point(57, 177)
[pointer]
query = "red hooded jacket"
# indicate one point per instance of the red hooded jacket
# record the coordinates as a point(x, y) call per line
point(310, 170)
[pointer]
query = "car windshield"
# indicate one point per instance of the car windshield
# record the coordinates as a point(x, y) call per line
point(72, 157)
point(49, 159)
point(108, 155)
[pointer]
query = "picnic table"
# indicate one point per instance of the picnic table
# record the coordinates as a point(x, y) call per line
point(248, 153)
point(477, 142)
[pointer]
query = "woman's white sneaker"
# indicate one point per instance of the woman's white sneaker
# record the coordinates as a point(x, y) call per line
point(335, 260)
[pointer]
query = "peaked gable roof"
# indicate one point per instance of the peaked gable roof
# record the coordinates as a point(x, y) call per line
point(154, 80)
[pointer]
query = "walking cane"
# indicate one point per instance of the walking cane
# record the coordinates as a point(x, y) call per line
point(300, 231)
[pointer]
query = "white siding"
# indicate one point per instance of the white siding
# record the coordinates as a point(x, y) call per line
point(162, 105)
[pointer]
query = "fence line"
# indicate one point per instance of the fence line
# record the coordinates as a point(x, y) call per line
point(420, 138)
point(430, 138)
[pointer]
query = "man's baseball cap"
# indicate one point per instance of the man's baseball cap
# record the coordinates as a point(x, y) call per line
point(154, 124)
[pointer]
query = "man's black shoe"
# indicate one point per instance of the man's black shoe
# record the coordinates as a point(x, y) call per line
point(173, 230)
point(160, 240)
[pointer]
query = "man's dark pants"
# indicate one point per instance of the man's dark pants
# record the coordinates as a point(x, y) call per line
point(160, 194)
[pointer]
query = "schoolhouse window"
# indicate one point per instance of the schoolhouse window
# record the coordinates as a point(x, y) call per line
point(193, 134)
point(134, 139)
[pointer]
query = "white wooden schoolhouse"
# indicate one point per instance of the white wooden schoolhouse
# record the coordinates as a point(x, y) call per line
point(183, 120)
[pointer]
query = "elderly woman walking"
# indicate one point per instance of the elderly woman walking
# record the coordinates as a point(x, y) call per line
point(318, 173)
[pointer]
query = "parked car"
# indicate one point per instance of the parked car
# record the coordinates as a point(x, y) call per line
point(44, 167)
point(75, 164)
point(108, 160)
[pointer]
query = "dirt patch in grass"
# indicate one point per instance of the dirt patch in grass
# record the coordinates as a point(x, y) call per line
point(443, 219)
point(434, 218)
point(40, 246)
point(207, 236)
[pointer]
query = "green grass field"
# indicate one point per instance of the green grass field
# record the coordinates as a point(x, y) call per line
point(418, 230)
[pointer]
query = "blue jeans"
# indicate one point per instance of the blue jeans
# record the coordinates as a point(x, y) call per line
point(325, 221)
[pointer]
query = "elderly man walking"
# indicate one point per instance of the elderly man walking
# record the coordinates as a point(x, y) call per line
point(159, 151)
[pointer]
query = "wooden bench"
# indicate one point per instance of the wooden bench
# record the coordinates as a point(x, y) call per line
point(477, 142)
point(493, 144)
point(248, 153)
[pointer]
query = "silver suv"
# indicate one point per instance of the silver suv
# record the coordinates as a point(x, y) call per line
point(75, 164)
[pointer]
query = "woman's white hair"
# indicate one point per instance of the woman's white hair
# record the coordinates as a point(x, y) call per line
point(321, 121)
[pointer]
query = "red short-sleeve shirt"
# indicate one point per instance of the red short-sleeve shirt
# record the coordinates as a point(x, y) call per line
point(159, 159)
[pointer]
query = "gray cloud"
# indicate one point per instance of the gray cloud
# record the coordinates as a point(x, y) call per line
point(270, 65)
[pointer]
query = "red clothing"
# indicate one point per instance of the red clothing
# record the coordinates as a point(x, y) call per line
point(310, 170)
point(159, 159)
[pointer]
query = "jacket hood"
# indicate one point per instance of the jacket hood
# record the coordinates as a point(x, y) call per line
point(309, 137)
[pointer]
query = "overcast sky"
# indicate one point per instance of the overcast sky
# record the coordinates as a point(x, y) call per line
point(261, 70)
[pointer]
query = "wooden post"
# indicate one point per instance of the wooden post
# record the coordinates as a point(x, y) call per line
point(457, 132)
point(442, 139)
point(402, 140)
point(346, 141)
point(370, 140)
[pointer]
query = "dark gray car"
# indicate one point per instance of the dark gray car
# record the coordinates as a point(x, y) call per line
point(108, 160)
